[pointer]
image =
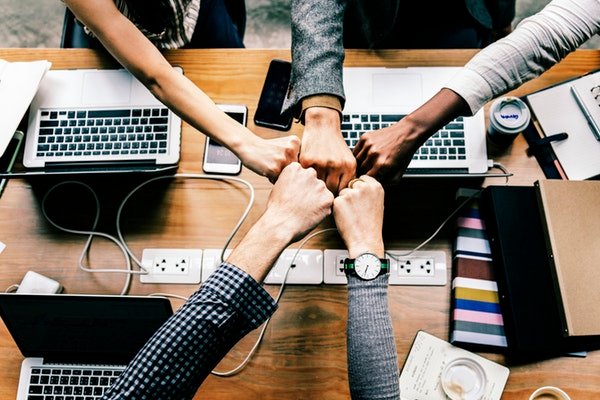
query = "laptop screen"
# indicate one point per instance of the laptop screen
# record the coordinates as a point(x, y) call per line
point(82, 328)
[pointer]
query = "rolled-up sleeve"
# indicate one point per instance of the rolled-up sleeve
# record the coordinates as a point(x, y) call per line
point(181, 354)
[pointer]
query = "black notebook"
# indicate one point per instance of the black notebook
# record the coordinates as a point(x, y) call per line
point(530, 309)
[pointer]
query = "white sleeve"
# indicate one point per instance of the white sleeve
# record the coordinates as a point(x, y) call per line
point(536, 44)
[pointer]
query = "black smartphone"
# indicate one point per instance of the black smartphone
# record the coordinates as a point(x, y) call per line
point(268, 112)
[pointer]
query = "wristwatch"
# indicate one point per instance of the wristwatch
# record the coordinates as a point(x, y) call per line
point(367, 266)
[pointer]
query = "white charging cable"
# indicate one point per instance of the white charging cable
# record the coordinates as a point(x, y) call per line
point(120, 241)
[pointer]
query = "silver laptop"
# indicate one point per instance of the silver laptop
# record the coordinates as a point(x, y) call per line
point(99, 120)
point(75, 346)
point(379, 97)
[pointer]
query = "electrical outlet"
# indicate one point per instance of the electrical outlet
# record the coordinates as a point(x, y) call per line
point(307, 269)
point(416, 266)
point(420, 268)
point(172, 266)
point(333, 267)
point(211, 259)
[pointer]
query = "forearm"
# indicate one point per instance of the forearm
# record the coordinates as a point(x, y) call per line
point(426, 120)
point(261, 247)
point(317, 49)
point(139, 56)
point(372, 355)
point(181, 354)
point(536, 44)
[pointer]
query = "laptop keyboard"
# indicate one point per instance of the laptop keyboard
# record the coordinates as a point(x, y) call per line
point(70, 383)
point(102, 132)
point(446, 144)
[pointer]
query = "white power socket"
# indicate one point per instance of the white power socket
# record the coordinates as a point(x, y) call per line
point(211, 259)
point(172, 266)
point(307, 269)
point(420, 268)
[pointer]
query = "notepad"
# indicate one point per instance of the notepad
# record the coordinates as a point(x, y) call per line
point(556, 111)
point(433, 366)
point(570, 211)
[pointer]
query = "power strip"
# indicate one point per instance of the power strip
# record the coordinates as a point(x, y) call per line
point(420, 268)
point(311, 267)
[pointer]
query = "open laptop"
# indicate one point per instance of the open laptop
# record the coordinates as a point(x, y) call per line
point(76, 345)
point(378, 97)
point(93, 120)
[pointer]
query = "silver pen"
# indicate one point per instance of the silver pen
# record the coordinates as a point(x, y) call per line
point(586, 113)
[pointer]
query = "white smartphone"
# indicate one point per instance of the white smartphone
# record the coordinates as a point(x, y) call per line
point(217, 158)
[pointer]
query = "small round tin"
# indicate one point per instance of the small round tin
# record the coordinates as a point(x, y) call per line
point(508, 116)
point(464, 379)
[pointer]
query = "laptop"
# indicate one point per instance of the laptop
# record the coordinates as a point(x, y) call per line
point(379, 97)
point(94, 120)
point(75, 346)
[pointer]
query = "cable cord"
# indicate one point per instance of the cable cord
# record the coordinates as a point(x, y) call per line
point(190, 176)
point(439, 228)
point(91, 233)
point(120, 241)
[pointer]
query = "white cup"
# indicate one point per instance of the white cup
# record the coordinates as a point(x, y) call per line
point(549, 393)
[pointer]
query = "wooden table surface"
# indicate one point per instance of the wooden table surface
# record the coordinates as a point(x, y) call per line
point(303, 354)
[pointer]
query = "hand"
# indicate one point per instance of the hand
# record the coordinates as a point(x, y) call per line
point(298, 202)
point(268, 157)
point(323, 148)
point(358, 214)
point(385, 153)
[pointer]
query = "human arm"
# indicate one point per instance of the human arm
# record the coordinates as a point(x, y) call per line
point(372, 355)
point(316, 93)
point(534, 46)
point(181, 354)
point(138, 55)
point(386, 153)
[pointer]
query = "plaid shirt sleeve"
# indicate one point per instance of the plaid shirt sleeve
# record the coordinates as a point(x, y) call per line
point(181, 354)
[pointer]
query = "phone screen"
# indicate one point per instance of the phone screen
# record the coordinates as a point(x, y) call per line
point(268, 111)
point(219, 154)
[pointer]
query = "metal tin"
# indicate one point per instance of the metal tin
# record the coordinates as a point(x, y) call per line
point(508, 116)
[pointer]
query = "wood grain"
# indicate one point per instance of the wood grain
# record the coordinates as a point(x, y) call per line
point(303, 354)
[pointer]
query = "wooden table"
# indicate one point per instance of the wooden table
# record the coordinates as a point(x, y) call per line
point(303, 354)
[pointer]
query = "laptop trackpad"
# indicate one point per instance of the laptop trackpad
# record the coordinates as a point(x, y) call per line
point(402, 90)
point(106, 88)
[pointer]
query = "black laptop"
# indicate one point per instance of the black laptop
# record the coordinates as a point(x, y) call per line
point(75, 346)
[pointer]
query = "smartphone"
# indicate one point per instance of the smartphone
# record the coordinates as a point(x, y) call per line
point(217, 158)
point(8, 158)
point(274, 90)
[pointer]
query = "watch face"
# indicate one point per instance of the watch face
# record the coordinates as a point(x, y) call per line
point(367, 266)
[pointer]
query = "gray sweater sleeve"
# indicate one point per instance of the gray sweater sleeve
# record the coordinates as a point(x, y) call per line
point(372, 355)
point(317, 49)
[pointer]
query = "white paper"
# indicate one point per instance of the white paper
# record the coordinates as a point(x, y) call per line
point(19, 83)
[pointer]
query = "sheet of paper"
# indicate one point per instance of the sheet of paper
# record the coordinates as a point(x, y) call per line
point(421, 375)
point(557, 111)
point(19, 82)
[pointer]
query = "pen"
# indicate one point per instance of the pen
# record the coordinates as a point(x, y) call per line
point(588, 116)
